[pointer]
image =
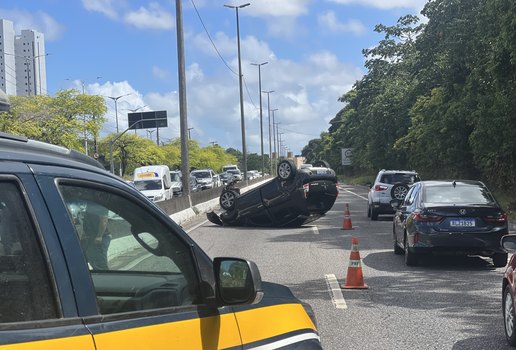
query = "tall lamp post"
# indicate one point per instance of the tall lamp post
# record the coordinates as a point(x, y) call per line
point(115, 99)
point(259, 65)
point(269, 112)
point(274, 133)
point(242, 122)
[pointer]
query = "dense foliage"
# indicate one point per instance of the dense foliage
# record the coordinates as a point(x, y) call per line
point(438, 97)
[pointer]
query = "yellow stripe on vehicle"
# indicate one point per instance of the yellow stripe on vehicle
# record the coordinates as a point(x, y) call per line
point(267, 322)
point(216, 332)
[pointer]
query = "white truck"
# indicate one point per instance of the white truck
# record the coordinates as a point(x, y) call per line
point(154, 182)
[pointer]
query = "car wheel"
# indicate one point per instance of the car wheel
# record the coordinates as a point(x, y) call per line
point(321, 164)
point(368, 211)
point(410, 257)
point(509, 318)
point(227, 199)
point(374, 214)
point(399, 191)
point(500, 259)
point(286, 170)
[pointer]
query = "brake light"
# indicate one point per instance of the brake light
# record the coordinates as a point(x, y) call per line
point(499, 219)
point(306, 188)
point(380, 188)
point(419, 217)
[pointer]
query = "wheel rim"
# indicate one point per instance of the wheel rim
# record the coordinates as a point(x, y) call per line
point(227, 199)
point(400, 192)
point(509, 314)
point(284, 170)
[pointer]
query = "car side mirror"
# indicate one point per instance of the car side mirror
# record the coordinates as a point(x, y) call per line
point(238, 281)
point(508, 243)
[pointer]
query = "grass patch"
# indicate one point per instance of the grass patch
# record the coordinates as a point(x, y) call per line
point(356, 180)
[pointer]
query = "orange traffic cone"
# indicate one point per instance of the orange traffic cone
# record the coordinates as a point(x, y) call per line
point(346, 223)
point(354, 278)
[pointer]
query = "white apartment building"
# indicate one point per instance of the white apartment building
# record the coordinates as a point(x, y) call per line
point(22, 61)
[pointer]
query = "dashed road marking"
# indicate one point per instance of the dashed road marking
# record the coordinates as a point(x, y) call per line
point(315, 230)
point(353, 193)
point(336, 293)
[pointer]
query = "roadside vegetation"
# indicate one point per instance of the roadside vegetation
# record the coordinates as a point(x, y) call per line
point(438, 97)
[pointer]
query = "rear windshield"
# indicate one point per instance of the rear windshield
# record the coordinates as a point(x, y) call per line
point(201, 174)
point(399, 178)
point(470, 194)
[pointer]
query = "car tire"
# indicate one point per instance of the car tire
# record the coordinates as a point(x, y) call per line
point(286, 170)
point(500, 259)
point(227, 199)
point(374, 214)
point(410, 257)
point(509, 317)
point(368, 211)
point(399, 191)
point(321, 164)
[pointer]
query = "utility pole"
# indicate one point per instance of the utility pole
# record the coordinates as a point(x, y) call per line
point(259, 65)
point(183, 120)
point(270, 141)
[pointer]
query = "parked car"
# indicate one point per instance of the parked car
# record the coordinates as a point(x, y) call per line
point(459, 217)
point(205, 178)
point(293, 198)
point(86, 261)
point(388, 185)
point(509, 290)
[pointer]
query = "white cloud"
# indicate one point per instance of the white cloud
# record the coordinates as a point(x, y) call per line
point(106, 7)
point(160, 73)
point(275, 8)
point(330, 21)
point(40, 21)
point(153, 17)
point(385, 4)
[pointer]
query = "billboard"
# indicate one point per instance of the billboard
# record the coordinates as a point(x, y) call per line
point(147, 120)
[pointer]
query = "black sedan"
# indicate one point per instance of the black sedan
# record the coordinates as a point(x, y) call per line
point(457, 217)
point(293, 198)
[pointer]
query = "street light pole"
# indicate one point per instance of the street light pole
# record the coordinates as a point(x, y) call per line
point(259, 65)
point(115, 99)
point(269, 113)
point(274, 132)
point(242, 121)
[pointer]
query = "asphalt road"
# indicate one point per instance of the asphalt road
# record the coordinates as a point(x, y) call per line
point(446, 303)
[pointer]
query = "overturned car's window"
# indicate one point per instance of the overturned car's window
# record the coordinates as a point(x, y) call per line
point(136, 262)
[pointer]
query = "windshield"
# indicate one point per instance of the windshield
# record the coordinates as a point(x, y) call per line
point(148, 185)
point(201, 174)
point(234, 172)
point(175, 177)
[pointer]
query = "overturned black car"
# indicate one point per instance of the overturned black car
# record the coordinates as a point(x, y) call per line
point(293, 198)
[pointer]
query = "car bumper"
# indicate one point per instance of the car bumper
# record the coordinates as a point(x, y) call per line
point(486, 243)
point(383, 208)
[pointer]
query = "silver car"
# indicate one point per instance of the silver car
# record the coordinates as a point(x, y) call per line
point(388, 185)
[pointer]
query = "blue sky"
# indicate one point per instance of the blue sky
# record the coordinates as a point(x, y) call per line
point(116, 47)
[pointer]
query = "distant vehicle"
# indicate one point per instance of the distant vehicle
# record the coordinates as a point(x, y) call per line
point(388, 185)
point(293, 198)
point(194, 184)
point(225, 177)
point(229, 167)
point(154, 182)
point(253, 174)
point(205, 178)
point(237, 174)
point(177, 183)
point(453, 217)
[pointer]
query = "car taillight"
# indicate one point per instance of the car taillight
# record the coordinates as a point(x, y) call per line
point(420, 217)
point(498, 219)
point(380, 188)
point(306, 188)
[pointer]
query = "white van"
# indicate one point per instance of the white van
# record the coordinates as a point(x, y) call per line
point(154, 182)
point(229, 167)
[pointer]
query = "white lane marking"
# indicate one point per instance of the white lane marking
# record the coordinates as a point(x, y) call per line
point(315, 230)
point(336, 293)
point(353, 193)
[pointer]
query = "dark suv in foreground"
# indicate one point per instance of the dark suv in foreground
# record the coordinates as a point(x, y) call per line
point(388, 185)
point(88, 262)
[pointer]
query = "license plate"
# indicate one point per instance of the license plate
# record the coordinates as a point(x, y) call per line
point(462, 223)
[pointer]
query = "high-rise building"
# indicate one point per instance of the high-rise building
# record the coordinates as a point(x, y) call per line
point(22, 61)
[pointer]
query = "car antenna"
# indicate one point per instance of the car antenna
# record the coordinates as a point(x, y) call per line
point(454, 183)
